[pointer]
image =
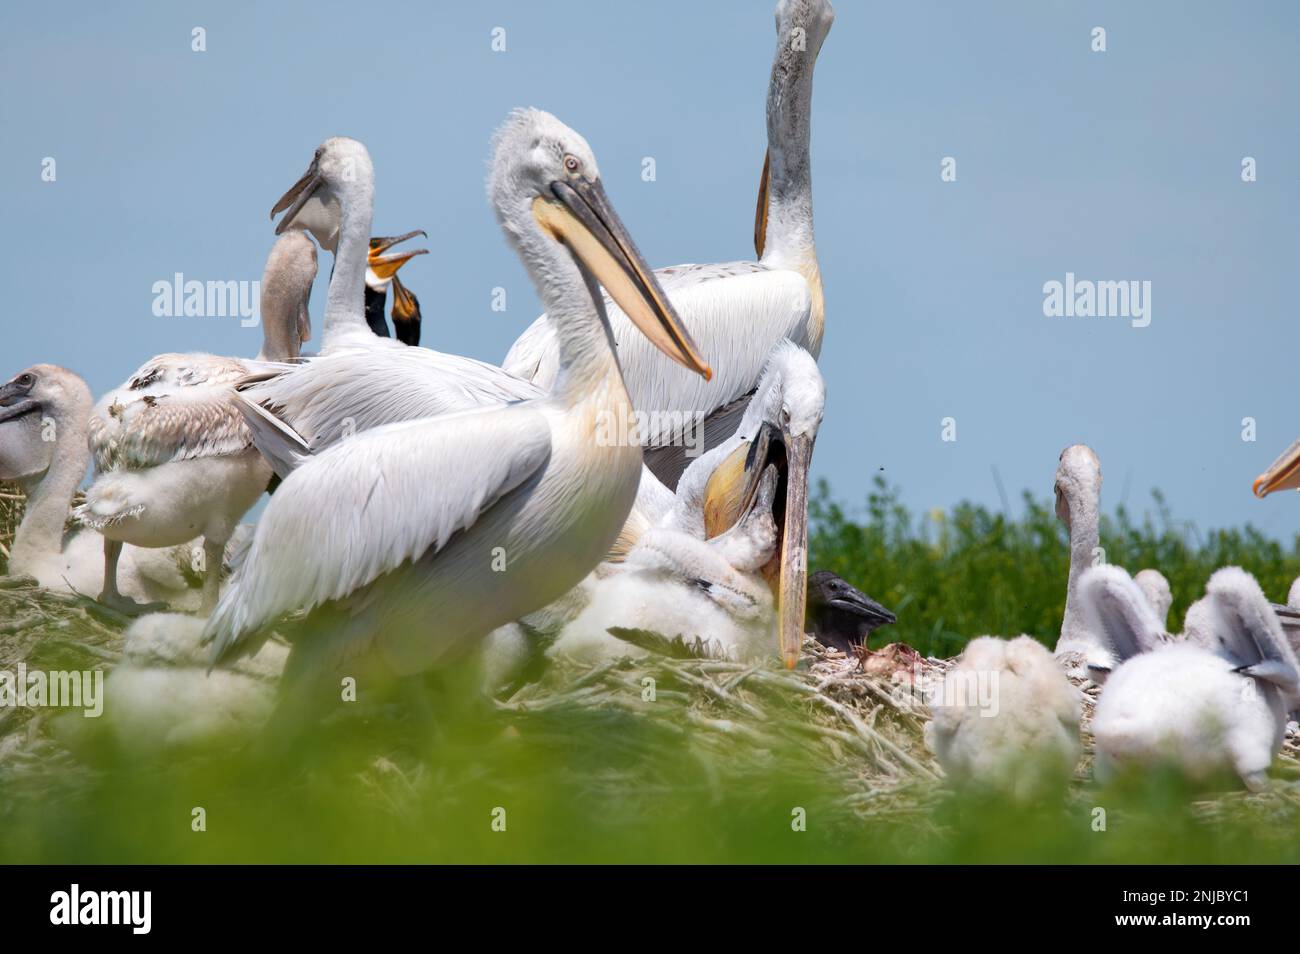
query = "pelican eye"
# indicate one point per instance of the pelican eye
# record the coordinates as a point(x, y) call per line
point(785, 417)
point(571, 163)
point(26, 380)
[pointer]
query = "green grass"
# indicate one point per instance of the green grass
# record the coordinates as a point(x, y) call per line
point(591, 785)
point(951, 576)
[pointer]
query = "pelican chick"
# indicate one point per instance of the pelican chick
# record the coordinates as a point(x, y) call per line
point(1006, 719)
point(840, 615)
point(44, 414)
point(174, 459)
point(160, 699)
point(1205, 711)
point(1078, 506)
point(440, 530)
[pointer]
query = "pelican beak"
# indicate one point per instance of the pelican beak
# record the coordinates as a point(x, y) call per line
point(760, 214)
point(731, 492)
point(14, 401)
point(579, 214)
point(792, 588)
point(296, 198)
point(1282, 474)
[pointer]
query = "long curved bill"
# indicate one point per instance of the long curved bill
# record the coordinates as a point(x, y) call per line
point(297, 196)
point(1282, 474)
point(730, 493)
point(760, 214)
point(580, 215)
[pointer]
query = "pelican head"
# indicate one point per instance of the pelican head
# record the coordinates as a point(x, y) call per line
point(545, 187)
point(41, 393)
point(1282, 474)
point(779, 428)
point(313, 202)
point(381, 268)
point(1078, 480)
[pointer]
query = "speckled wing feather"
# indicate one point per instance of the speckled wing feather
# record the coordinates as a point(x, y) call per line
point(175, 407)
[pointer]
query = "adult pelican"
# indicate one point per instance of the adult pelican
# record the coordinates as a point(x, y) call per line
point(381, 275)
point(714, 554)
point(173, 457)
point(739, 310)
point(437, 531)
point(1282, 474)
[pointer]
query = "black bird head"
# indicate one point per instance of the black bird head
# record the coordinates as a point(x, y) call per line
point(839, 614)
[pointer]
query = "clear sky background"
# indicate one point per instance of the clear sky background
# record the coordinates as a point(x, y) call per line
point(1117, 165)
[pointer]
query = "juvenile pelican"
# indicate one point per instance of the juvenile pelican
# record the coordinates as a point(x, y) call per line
point(1203, 707)
point(1078, 506)
point(173, 456)
point(438, 531)
point(380, 276)
point(359, 380)
point(1006, 719)
point(44, 412)
point(739, 310)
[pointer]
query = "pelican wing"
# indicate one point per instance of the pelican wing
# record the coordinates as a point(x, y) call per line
point(349, 390)
point(370, 504)
point(176, 407)
point(1250, 633)
point(1118, 613)
point(736, 313)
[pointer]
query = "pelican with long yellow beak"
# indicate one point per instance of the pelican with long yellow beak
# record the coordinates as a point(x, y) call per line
point(1282, 474)
point(381, 275)
point(410, 542)
point(738, 311)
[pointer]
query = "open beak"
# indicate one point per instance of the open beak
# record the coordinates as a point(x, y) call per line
point(760, 214)
point(386, 266)
point(1283, 474)
point(731, 492)
point(296, 198)
point(579, 214)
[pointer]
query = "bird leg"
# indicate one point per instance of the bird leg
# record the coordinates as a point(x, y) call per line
point(214, 552)
point(110, 596)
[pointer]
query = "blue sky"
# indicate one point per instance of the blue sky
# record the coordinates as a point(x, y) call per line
point(1122, 165)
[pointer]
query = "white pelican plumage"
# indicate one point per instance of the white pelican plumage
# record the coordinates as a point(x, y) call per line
point(737, 311)
point(1216, 704)
point(705, 562)
point(173, 456)
point(1078, 506)
point(410, 542)
point(359, 380)
point(44, 414)
point(1006, 719)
